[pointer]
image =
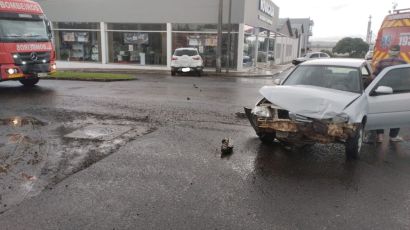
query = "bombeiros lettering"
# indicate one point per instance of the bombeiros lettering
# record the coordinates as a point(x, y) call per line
point(267, 7)
point(31, 47)
point(19, 6)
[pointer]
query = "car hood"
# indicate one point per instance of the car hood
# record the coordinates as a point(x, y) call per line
point(309, 101)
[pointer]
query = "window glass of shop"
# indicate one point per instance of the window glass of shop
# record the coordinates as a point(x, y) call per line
point(78, 46)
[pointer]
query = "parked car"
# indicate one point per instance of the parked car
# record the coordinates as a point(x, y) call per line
point(186, 60)
point(310, 56)
point(324, 101)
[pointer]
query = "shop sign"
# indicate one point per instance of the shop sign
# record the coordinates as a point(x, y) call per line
point(267, 7)
point(266, 19)
point(136, 38)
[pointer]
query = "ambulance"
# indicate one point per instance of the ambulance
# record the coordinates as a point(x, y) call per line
point(395, 30)
point(26, 49)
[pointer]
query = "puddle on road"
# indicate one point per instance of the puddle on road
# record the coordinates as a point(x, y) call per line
point(35, 155)
point(99, 132)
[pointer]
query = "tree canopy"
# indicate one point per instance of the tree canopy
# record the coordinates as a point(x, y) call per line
point(355, 47)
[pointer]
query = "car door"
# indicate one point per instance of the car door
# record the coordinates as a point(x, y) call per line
point(389, 99)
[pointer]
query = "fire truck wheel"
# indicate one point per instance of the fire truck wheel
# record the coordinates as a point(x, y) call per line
point(29, 82)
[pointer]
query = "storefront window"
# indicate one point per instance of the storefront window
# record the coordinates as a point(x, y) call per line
point(206, 43)
point(249, 46)
point(263, 46)
point(137, 47)
point(143, 44)
point(77, 41)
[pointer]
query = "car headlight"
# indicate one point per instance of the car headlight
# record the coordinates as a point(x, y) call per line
point(261, 111)
point(11, 71)
point(341, 118)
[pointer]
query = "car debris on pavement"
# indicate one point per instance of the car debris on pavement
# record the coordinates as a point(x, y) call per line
point(227, 146)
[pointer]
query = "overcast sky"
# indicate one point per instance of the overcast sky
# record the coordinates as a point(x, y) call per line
point(335, 19)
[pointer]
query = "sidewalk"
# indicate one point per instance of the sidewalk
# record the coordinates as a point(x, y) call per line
point(262, 70)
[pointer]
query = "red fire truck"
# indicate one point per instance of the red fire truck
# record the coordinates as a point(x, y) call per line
point(26, 49)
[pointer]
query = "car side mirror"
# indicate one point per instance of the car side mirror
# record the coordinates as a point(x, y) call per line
point(384, 90)
point(277, 81)
point(49, 30)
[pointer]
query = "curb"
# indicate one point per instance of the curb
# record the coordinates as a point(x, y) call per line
point(86, 79)
point(163, 72)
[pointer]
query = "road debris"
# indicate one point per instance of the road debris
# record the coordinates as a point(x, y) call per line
point(241, 115)
point(227, 146)
point(28, 177)
point(3, 169)
point(188, 99)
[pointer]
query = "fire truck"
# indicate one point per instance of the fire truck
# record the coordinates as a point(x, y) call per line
point(26, 48)
point(395, 30)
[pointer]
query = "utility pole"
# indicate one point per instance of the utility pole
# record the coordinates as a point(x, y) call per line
point(219, 47)
point(369, 31)
point(228, 61)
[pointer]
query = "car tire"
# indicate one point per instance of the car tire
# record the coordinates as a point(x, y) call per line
point(267, 138)
point(354, 144)
point(173, 73)
point(29, 82)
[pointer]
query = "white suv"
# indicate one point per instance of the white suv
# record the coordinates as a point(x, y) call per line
point(186, 60)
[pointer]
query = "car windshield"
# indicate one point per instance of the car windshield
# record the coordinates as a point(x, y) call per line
point(339, 78)
point(187, 52)
point(23, 30)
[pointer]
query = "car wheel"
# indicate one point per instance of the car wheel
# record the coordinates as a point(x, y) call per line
point(29, 82)
point(354, 144)
point(173, 73)
point(267, 138)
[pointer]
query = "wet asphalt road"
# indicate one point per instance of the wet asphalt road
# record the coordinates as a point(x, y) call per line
point(173, 177)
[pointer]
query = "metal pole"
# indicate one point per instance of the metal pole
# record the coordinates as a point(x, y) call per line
point(228, 61)
point(219, 47)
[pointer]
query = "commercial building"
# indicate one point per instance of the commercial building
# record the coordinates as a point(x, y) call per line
point(147, 32)
point(307, 25)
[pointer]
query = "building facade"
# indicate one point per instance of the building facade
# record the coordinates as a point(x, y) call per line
point(147, 32)
point(307, 25)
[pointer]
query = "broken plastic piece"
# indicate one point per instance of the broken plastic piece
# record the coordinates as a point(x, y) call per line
point(227, 146)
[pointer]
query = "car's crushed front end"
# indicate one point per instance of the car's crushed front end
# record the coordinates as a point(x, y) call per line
point(288, 127)
point(300, 114)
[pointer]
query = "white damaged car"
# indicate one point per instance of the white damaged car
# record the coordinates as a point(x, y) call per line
point(324, 101)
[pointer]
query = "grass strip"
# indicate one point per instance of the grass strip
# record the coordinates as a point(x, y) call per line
point(91, 76)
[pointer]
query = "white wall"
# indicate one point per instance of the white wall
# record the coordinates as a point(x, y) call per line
point(286, 49)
